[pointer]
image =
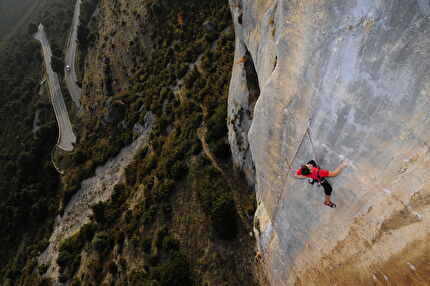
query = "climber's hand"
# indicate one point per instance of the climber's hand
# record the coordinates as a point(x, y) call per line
point(346, 162)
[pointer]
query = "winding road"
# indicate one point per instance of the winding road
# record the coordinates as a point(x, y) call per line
point(66, 137)
point(70, 75)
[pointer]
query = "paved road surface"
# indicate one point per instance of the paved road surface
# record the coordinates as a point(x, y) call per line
point(74, 89)
point(66, 136)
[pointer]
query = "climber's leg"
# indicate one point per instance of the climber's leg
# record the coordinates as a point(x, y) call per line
point(327, 191)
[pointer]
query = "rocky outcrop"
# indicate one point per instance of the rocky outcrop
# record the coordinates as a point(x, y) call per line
point(360, 71)
point(93, 190)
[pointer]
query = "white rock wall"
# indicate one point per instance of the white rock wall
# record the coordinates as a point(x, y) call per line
point(360, 70)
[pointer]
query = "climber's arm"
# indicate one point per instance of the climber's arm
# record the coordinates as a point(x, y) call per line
point(300, 176)
point(338, 170)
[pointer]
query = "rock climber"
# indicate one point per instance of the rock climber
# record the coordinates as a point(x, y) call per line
point(311, 171)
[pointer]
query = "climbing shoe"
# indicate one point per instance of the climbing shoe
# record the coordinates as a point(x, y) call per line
point(330, 204)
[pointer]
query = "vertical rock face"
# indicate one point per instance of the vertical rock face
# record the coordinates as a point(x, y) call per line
point(360, 70)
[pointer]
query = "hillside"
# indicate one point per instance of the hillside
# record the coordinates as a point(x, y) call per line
point(149, 196)
point(11, 12)
point(29, 182)
point(191, 119)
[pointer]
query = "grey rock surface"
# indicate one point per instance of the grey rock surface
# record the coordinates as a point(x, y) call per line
point(359, 73)
point(93, 190)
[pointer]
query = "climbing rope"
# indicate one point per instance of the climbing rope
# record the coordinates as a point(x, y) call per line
point(290, 164)
point(362, 253)
point(307, 132)
point(315, 152)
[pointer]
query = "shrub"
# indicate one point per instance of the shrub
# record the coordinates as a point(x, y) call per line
point(25, 161)
point(112, 267)
point(99, 210)
point(179, 170)
point(217, 124)
point(224, 216)
point(79, 157)
point(87, 231)
point(119, 238)
point(196, 148)
point(170, 243)
point(146, 244)
point(166, 209)
point(70, 254)
point(130, 174)
point(221, 149)
point(57, 64)
point(215, 197)
point(162, 191)
point(153, 260)
point(159, 235)
point(10, 167)
point(64, 258)
point(175, 272)
point(181, 69)
point(101, 241)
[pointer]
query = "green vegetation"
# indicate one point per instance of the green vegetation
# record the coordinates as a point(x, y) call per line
point(174, 202)
point(57, 64)
point(28, 181)
point(173, 160)
point(10, 13)
point(215, 197)
point(87, 9)
point(70, 250)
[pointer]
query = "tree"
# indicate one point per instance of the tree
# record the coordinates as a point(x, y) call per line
point(80, 156)
point(175, 272)
point(10, 167)
point(25, 161)
point(179, 169)
point(82, 36)
point(56, 51)
point(101, 241)
point(57, 65)
point(224, 216)
point(99, 210)
point(31, 28)
point(217, 124)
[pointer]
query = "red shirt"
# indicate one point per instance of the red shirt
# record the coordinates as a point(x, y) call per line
point(313, 175)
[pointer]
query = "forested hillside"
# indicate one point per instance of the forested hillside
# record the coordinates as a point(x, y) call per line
point(28, 181)
point(182, 214)
point(11, 12)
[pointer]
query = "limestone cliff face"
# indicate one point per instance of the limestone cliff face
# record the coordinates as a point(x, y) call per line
point(360, 70)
